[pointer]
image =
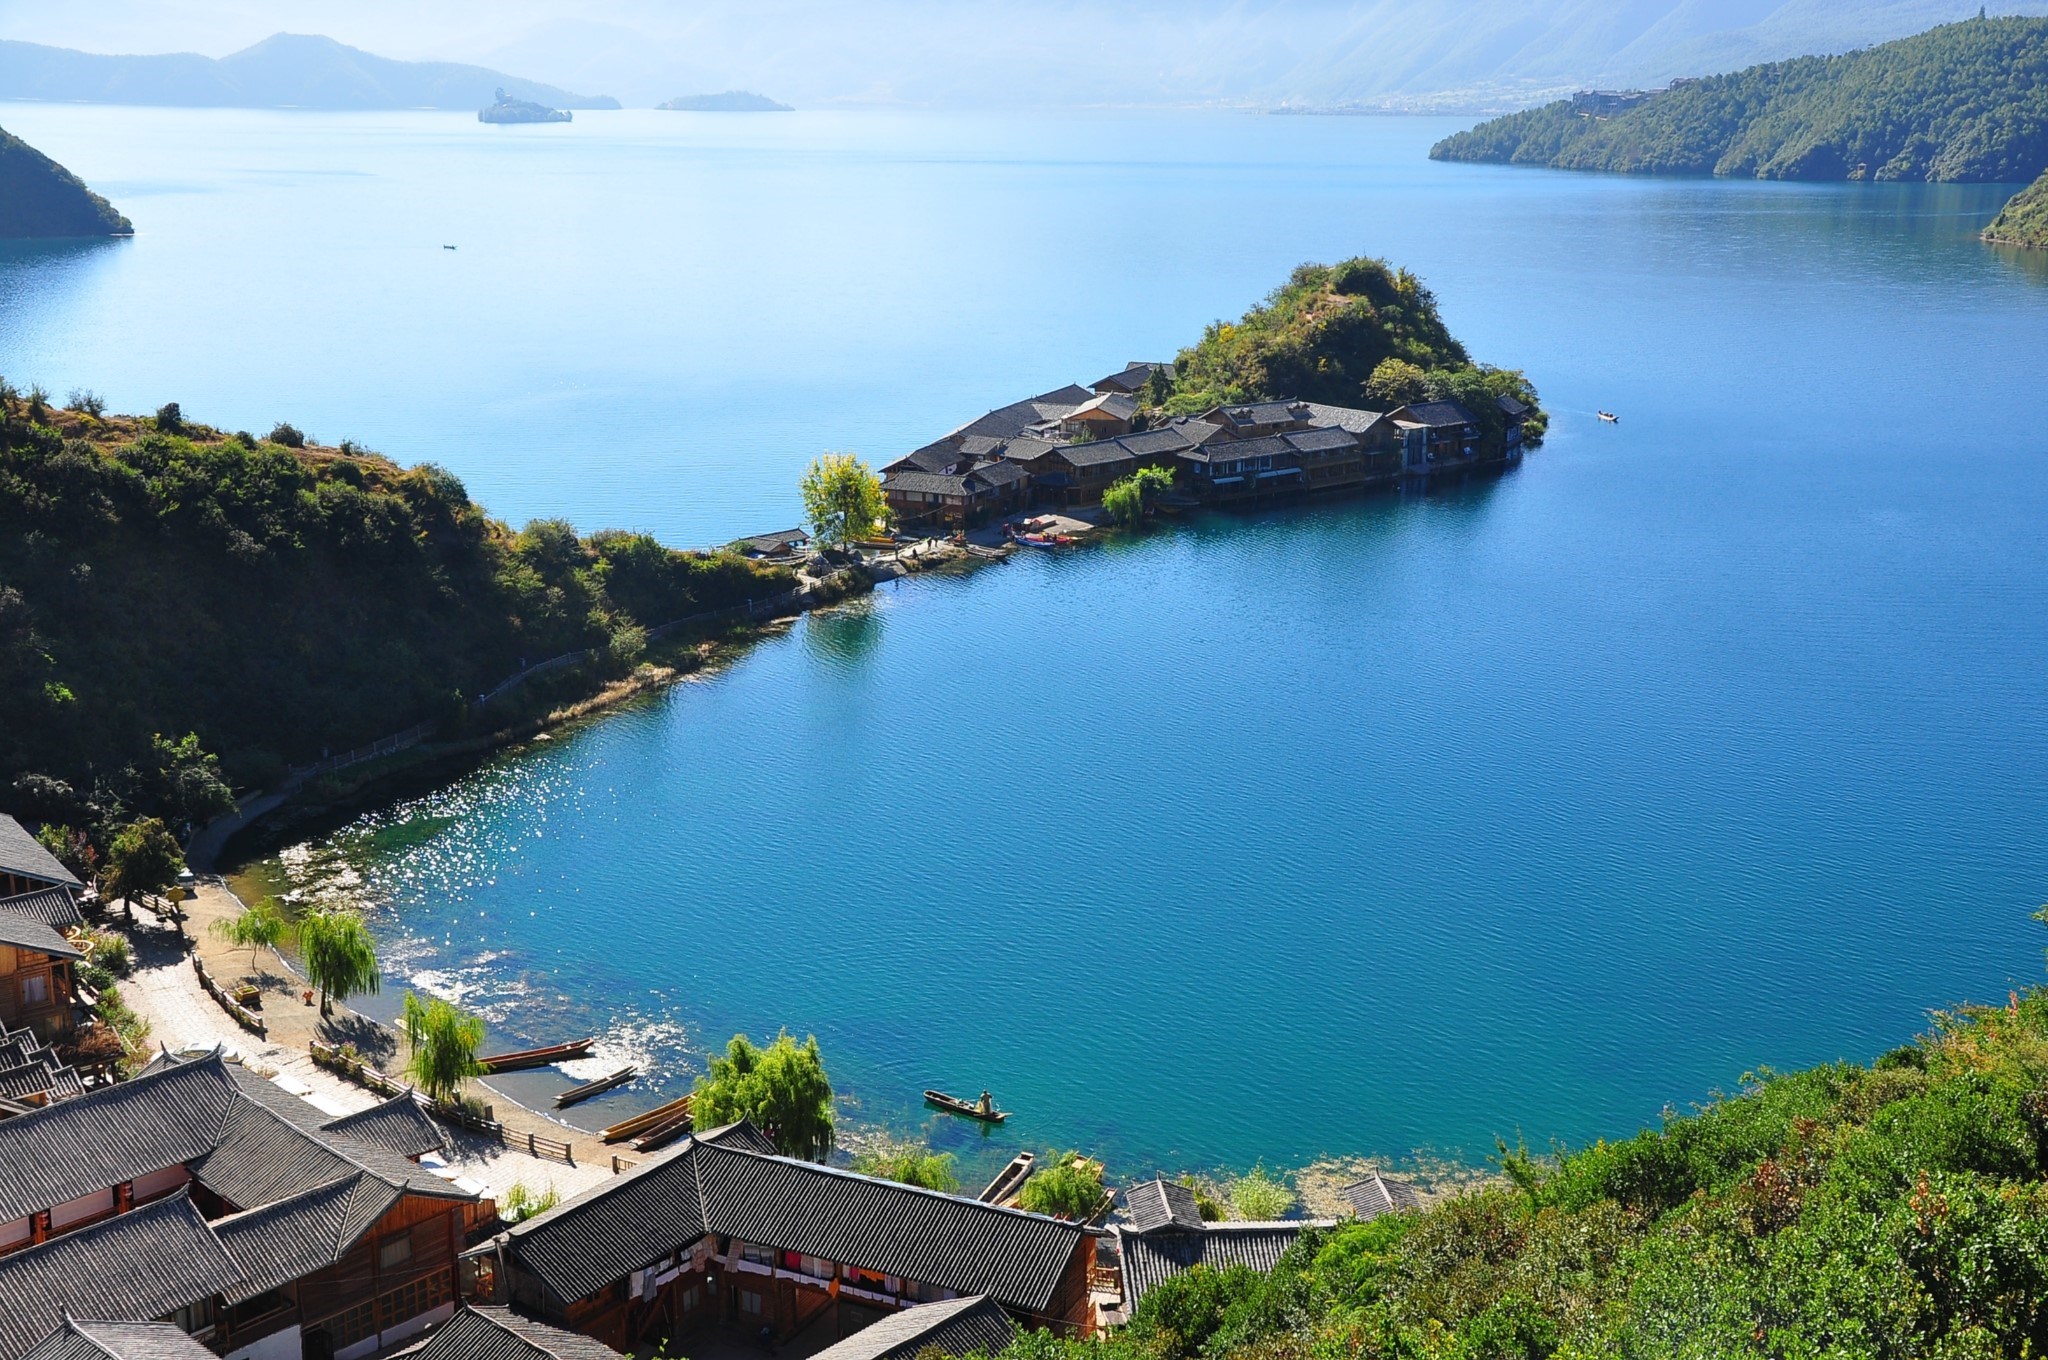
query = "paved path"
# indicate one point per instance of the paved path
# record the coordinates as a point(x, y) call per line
point(165, 991)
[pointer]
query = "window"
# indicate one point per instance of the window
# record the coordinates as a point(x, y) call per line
point(423, 1295)
point(750, 1303)
point(760, 1256)
point(35, 989)
point(347, 1328)
point(394, 1252)
point(692, 1297)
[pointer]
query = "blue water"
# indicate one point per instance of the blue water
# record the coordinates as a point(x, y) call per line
point(1710, 740)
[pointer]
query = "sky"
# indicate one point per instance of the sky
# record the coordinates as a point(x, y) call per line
point(940, 52)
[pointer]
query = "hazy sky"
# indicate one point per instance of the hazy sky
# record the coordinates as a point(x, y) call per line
point(1022, 51)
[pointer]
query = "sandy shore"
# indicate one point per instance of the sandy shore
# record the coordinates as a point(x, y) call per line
point(165, 991)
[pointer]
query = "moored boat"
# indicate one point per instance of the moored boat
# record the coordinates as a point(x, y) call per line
point(984, 1110)
point(641, 1123)
point(577, 1094)
point(536, 1057)
point(1009, 1180)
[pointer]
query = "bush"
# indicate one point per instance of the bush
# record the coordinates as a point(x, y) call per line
point(911, 1164)
point(521, 1203)
point(287, 435)
point(169, 419)
point(111, 951)
point(1071, 1188)
point(86, 402)
point(1260, 1198)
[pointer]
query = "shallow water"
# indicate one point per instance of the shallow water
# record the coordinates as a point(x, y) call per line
point(1527, 807)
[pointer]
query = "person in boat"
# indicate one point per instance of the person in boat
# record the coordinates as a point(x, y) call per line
point(986, 1106)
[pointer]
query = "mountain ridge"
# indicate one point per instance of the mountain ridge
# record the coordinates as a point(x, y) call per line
point(40, 198)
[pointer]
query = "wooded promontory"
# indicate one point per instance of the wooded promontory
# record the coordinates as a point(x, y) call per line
point(39, 197)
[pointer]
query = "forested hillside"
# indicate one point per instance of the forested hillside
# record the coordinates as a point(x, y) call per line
point(1964, 102)
point(2024, 221)
point(1846, 1212)
point(160, 577)
point(39, 197)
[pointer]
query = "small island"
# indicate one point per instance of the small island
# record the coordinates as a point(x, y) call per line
point(2023, 221)
point(510, 110)
point(40, 198)
point(732, 101)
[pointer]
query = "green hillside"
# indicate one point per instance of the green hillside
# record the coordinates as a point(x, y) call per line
point(1964, 102)
point(39, 197)
point(159, 577)
point(1841, 1213)
point(2024, 221)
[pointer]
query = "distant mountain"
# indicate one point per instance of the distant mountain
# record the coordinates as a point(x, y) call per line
point(1965, 101)
point(39, 197)
point(2024, 221)
point(506, 109)
point(732, 101)
point(285, 71)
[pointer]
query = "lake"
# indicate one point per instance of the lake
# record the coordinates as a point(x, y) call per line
point(1520, 809)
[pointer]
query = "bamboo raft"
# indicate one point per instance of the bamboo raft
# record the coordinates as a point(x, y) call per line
point(536, 1057)
point(640, 1124)
point(1009, 1181)
point(577, 1094)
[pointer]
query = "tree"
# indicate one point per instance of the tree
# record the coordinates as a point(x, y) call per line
point(1127, 499)
point(260, 925)
point(1071, 1189)
point(1396, 383)
point(909, 1163)
point(1259, 1197)
point(842, 499)
point(186, 780)
point(442, 1041)
point(340, 956)
point(143, 860)
point(782, 1088)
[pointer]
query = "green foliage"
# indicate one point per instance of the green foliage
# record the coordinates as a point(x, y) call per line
point(441, 1043)
point(2024, 220)
point(1260, 1197)
point(911, 1164)
point(287, 435)
point(117, 1015)
point(340, 956)
point(111, 951)
point(269, 604)
point(782, 1088)
point(1070, 1188)
point(520, 1202)
point(86, 402)
point(1966, 101)
point(1396, 383)
point(143, 860)
point(39, 197)
point(260, 925)
point(1126, 499)
point(842, 499)
point(1212, 1209)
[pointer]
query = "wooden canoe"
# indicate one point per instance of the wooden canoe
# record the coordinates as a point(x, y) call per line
point(955, 1105)
point(537, 1057)
point(664, 1133)
point(641, 1123)
point(1009, 1180)
point(576, 1094)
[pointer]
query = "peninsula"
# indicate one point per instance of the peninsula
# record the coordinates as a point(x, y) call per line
point(1963, 102)
point(40, 198)
point(506, 109)
point(732, 101)
point(2023, 221)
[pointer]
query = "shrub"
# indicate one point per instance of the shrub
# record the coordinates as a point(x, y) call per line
point(287, 435)
point(87, 402)
point(521, 1203)
point(1260, 1198)
point(1070, 1188)
point(169, 419)
point(111, 951)
point(911, 1164)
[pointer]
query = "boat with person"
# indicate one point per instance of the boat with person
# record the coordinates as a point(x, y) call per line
point(536, 1057)
point(983, 1109)
point(1608, 417)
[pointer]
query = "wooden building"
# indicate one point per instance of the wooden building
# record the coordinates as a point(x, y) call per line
point(1436, 436)
point(25, 866)
point(1166, 1236)
point(722, 1231)
point(1130, 380)
point(273, 1231)
point(37, 986)
point(485, 1333)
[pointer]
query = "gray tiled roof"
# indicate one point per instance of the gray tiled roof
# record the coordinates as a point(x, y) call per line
point(1511, 407)
point(1150, 1257)
point(21, 853)
point(41, 1075)
point(1342, 417)
point(1161, 1203)
point(1436, 414)
point(398, 1126)
point(485, 1333)
point(1133, 377)
point(78, 1339)
point(143, 1264)
point(283, 1242)
point(1018, 416)
point(54, 907)
point(773, 542)
point(955, 1327)
point(1376, 1195)
point(25, 932)
point(1113, 404)
point(1282, 412)
point(704, 1187)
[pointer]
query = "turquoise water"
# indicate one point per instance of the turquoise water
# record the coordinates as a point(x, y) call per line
point(1710, 740)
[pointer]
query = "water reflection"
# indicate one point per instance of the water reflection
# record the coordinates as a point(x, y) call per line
point(845, 637)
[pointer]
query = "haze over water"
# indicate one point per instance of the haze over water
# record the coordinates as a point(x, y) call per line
point(1711, 740)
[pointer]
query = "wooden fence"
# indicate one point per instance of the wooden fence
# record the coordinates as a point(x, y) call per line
point(383, 746)
point(244, 1017)
point(361, 1071)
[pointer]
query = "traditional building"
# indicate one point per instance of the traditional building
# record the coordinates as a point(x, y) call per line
point(1105, 417)
point(1436, 435)
point(959, 499)
point(36, 983)
point(975, 1325)
point(720, 1229)
point(1376, 1195)
point(80, 1339)
point(1130, 381)
point(500, 1334)
point(25, 866)
point(271, 1230)
point(1166, 1236)
point(786, 544)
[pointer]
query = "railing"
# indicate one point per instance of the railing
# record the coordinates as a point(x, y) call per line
point(360, 1070)
point(383, 746)
point(244, 1017)
point(752, 609)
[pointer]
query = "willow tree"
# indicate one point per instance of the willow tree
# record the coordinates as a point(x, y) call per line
point(1127, 499)
point(442, 1041)
point(261, 925)
point(340, 956)
point(1071, 1188)
point(782, 1088)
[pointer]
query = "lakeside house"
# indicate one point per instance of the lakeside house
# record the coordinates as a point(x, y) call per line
point(270, 1229)
point(26, 867)
point(722, 1230)
point(1130, 381)
point(1167, 1236)
point(38, 988)
point(1436, 434)
point(773, 547)
point(487, 1333)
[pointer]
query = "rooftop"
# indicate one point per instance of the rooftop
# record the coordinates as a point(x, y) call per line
point(1019, 416)
point(484, 1333)
point(1376, 1195)
point(1133, 376)
point(1158, 1255)
point(54, 907)
point(1436, 415)
point(78, 1339)
point(955, 1327)
point(1162, 1203)
point(22, 854)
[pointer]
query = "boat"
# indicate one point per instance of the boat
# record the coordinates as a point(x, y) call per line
point(641, 1123)
point(1609, 417)
point(986, 1113)
point(1009, 1181)
point(577, 1094)
point(664, 1133)
point(536, 1057)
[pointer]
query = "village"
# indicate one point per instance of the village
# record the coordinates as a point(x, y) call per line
point(235, 1200)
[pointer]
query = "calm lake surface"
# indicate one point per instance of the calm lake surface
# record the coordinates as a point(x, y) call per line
point(1708, 741)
